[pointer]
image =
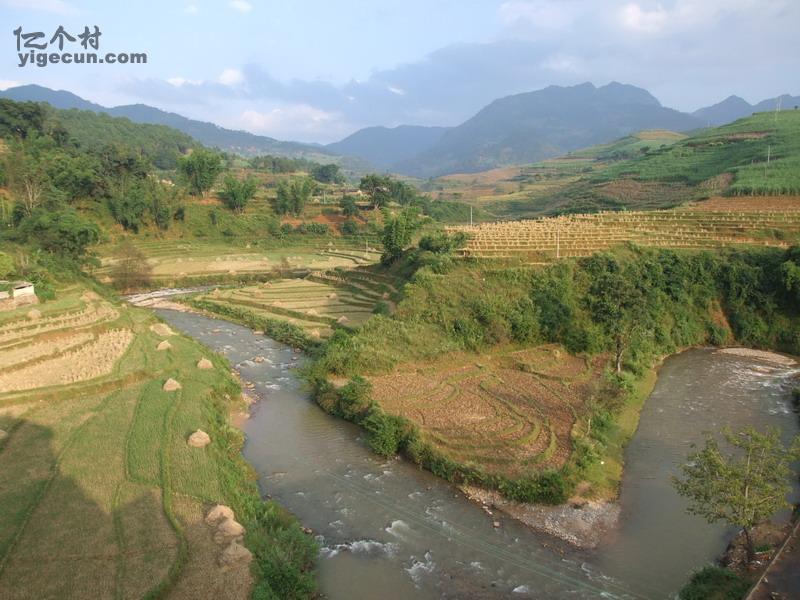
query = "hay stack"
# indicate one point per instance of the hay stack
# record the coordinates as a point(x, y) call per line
point(235, 554)
point(219, 513)
point(165, 345)
point(199, 439)
point(205, 364)
point(228, 530)
point(171, 385)
point(34, 314)
point(161, 329)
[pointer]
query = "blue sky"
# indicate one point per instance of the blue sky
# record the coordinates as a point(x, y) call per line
point(315, 71)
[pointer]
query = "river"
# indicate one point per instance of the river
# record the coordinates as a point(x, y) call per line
point(389, 530)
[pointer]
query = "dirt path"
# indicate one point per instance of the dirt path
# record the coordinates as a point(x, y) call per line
point(782, 577)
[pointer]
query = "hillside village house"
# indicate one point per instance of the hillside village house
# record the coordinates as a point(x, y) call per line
point(16, 293)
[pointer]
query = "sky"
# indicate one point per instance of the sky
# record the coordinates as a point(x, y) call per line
point(317, 70)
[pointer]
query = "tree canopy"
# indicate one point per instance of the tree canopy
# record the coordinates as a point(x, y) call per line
point(743, 487)
point(200, 169)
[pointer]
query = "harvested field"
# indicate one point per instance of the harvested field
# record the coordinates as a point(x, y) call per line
point(101, 496)
point(91, 360)
point(316, 304)
point(512, 413)
point(543, 240)
point(176, 260)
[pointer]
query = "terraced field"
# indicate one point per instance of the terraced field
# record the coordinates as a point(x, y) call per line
point(174, 261)
point(547, 239)
point(511, 413)
point(317, 304)
point(101, 496)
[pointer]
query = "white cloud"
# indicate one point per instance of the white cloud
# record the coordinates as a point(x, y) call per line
point(396, 90)
point(241, 5)
point(179, 81)
point(191, 9)
point(231, 77)
point(634, 17)
point(8, 83)
point(58, 7)
point(296, 121)
point(542, 14)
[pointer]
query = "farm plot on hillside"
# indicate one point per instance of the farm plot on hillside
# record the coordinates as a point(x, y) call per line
point(512, 414)
point(316, 304)
point(175, 260)
point(101, 496)
point(546, 239)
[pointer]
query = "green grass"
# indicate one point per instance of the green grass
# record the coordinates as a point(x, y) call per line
point(103, 498)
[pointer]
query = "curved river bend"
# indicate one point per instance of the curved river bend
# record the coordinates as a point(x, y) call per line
point(391, 531)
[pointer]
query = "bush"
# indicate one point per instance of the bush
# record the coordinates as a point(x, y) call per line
point(354, 398)
point(349, 227)
point(381, 308)
point(385, 433)
point(715, 583)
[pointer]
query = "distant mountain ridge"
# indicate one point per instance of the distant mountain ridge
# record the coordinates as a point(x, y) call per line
point(242, 142)
point(734, 107)
point(517, 129)
point(384, 146)
point(532, 126)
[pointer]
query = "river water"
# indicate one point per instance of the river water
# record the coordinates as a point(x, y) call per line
point(389, 530)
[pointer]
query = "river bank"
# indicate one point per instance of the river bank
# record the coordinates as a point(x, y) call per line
point(389, 526)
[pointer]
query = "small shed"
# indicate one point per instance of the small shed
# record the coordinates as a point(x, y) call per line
point(22, 289)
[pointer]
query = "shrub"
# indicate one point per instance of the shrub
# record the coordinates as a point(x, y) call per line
point(385, 433)
point(349, 227)
point(354, 398)
point(381, 308)
point(714, 583)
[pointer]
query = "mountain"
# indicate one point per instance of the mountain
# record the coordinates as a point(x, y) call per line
point(734, 107)
point(209, 134)
point(532, 126)
point(56, 98)
point(384, 146)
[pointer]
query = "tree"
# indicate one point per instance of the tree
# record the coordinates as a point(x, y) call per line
point(200, 168)
point(236, 193)
point(293, 196)
point(327, 173)
point(6, 265)
point(349, 206)
point(61, 232)
point(614, 302)
point(744, 487)
point(28, 179)
point(397, 233)
point(378, 188)
point(131, 269)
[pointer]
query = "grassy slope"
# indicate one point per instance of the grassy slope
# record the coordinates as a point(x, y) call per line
point(645, 171)
point(103, 498)
point(482, 307)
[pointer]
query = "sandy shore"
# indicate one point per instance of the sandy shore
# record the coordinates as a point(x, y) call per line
point(772, 357)
point(583, 525)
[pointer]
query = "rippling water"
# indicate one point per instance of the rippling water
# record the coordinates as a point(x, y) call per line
point(389, 530)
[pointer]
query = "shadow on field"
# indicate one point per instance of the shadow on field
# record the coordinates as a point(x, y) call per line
point(60, 536)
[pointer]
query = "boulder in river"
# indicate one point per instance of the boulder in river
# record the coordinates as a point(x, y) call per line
point(199, 439)
point(171, 385)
